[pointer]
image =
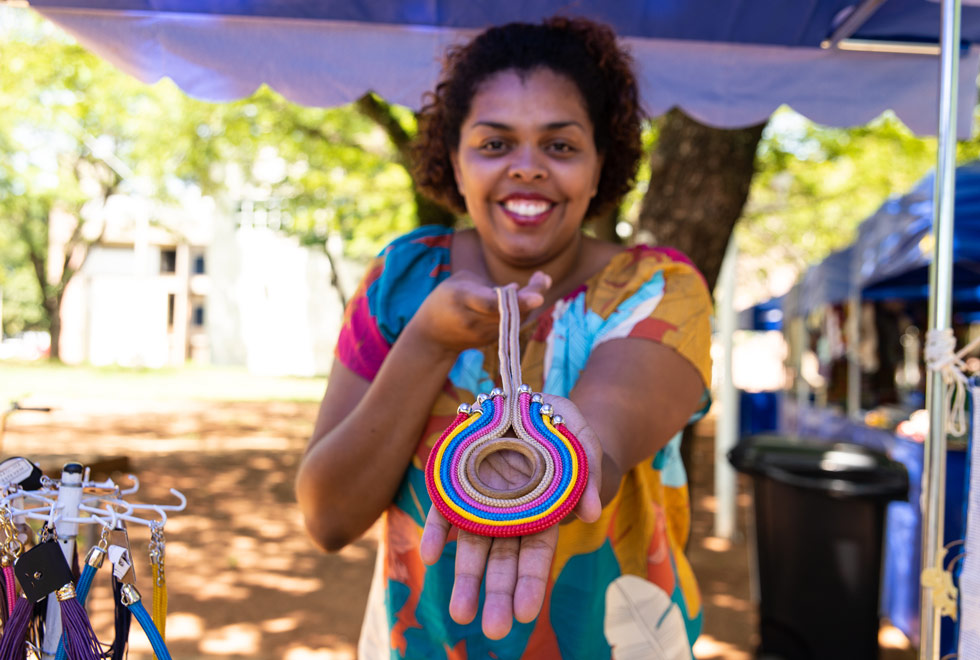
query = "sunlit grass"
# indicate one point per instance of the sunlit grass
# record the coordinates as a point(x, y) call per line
point(40, 381)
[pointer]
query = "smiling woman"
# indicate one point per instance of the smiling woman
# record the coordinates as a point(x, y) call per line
point(533, 130)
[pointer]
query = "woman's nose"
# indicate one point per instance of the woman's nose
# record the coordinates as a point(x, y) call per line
point(526, 165)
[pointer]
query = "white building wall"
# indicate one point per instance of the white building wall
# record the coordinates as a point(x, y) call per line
point(271, 305)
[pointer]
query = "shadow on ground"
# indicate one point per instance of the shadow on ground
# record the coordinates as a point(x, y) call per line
point(245, 582)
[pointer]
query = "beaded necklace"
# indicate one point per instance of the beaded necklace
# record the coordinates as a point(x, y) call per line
point(559, 469)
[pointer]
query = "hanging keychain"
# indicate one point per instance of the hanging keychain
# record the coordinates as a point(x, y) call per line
point(43, 570)
point(12, 549)
point(93, 562)
point(121, 558)
point(158, 550)
point(130, 598)
point(558, 463)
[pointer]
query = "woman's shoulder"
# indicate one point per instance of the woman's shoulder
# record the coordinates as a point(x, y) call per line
point(406, 271)
point(645, 271)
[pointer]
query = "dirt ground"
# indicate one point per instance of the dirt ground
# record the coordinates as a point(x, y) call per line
point(244, 581)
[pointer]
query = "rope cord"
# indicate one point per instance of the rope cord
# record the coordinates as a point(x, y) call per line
point(152, 634)
point(939, 356)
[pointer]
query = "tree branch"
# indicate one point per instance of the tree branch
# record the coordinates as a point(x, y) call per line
point(375, 108)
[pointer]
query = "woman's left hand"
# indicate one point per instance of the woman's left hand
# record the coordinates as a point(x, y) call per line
point(516, 568)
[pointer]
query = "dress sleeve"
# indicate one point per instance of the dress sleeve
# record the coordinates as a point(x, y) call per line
point(658, 295)
point(396, 283)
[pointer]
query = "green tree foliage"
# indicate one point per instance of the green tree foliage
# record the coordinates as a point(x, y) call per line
point(74, 130)
point(815, 185)
point(52, 130)
point(312, 172)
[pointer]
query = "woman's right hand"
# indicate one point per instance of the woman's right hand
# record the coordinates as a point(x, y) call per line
point(462, 311)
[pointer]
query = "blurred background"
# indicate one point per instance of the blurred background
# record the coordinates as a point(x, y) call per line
point(173, 274)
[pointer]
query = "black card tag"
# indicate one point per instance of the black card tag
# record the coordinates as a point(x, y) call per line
point(18, 470)
point(41, 570)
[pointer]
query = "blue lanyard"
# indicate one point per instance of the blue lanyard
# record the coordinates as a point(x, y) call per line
point(131, 599)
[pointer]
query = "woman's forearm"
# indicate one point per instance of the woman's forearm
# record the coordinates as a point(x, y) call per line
point(354, 465)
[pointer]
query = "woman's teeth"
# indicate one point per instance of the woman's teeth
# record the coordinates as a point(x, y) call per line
point(526, 208)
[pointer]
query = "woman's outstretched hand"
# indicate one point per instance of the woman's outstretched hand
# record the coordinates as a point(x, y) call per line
point(463, 312)
point(516, 568)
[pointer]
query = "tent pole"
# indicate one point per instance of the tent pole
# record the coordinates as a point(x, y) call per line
point(726, 426)
point(940, 303)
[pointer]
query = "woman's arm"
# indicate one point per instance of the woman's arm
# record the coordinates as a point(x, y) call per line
point(635, 395)
point(364, 438)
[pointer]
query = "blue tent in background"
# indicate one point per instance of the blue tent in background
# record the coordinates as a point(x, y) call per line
point(894, 246)
point(891, 256)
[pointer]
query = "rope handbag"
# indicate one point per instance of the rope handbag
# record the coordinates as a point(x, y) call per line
point(558, 463)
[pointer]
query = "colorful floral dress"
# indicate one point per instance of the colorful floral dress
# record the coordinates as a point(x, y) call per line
point(620, 586)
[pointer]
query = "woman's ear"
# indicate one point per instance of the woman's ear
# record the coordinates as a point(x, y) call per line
point(454, 159)
point(598, 174)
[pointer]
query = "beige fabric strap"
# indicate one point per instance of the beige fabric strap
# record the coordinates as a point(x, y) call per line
point(509, 347)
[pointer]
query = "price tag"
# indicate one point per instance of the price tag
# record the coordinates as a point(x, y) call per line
point(18, 470)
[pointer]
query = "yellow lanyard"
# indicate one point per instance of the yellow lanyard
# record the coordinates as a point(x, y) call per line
point(157, 554)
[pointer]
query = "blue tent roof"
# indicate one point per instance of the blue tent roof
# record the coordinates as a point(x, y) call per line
point(828, 282)
point(727, 63)
point(746, 21)
point(894, 245)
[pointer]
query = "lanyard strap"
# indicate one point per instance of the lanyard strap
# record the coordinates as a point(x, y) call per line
point(157, 561)
point(132, 600)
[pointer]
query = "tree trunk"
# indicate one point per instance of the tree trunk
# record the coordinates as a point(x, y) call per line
point(604, 226)
point(52, 306)
point(699, 182)
point(432, 213)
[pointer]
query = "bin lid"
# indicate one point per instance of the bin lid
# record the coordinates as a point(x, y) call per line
point(843, 469)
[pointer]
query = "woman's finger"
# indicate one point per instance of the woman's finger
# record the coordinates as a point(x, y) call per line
point(531, 296)
point(471, 560)
point(536, 554)
point(589, 506)
point(434, 536)
point(477, 296)
point(501, 579)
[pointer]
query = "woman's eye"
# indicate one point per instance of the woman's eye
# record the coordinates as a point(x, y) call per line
point(562, 147)
point(493, 146)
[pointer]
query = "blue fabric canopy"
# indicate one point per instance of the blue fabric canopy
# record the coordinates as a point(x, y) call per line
point(829, 281)
point(727, 63)
point(894, 245)
point(802, 23)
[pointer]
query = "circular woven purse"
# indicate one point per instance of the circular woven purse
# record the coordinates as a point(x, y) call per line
point(559, 469)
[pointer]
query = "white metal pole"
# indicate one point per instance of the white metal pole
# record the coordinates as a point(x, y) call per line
point(940, 303)
point(726, 427)
point(69, 497)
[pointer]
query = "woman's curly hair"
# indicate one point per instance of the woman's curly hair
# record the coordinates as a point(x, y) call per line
point(584, 51)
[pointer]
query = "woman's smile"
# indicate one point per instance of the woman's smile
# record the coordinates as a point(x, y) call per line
point(527, 209)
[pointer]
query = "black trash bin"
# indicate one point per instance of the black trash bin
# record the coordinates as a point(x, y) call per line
point(819, 518)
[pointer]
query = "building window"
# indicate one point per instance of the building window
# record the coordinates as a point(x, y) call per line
point(197, 318)
point(168, 261)
point(199, 265)
point(171, 304)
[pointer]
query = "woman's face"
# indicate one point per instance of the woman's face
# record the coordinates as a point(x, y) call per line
point(527, 166)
